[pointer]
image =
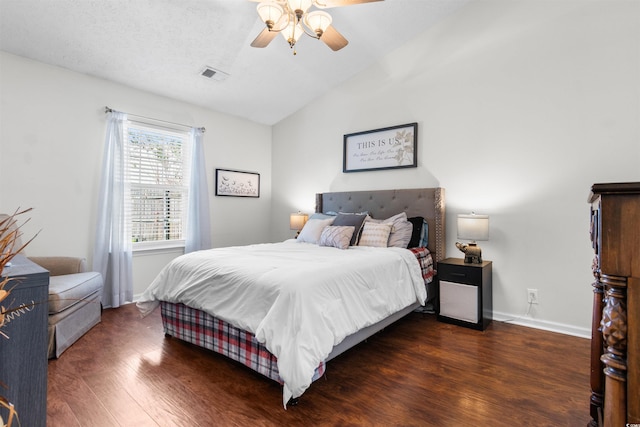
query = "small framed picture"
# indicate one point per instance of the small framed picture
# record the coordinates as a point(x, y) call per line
point(387, 148)
point(237, 183)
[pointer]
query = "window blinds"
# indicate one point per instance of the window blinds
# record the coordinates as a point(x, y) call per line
point(157, 175)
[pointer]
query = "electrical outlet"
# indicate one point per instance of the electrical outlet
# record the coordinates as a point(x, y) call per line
point(532, 296)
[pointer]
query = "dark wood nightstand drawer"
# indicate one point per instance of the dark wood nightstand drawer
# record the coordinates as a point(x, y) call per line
point(466, 274)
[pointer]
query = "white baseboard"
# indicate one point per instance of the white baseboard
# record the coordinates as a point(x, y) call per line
point(527, 321)
point(543, 324)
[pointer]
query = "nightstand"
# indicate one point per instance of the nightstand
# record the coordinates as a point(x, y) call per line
point(464, 293)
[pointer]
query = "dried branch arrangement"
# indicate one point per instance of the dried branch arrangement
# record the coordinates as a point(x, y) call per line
point(9, 247)
point(12, 412)
point(9, 240)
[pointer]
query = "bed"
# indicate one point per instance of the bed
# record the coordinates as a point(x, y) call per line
point(311, 305)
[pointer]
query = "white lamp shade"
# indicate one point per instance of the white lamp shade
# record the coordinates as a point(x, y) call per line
point(473, 227)
point(297, 220)
point(292, 31)
point(317, 21)
point(302, 5)
point(270, 12)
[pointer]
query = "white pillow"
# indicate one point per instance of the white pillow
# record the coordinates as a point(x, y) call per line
point(338, 236)
point(400, 232)
point(313, 229)
point(376, 235)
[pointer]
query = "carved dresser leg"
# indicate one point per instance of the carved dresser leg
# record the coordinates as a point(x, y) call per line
point(597, 368)
point(614, 332)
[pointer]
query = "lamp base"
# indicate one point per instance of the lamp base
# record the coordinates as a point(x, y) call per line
point(472, 252)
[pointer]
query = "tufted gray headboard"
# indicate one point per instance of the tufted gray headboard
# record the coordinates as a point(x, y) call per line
point(425, 202)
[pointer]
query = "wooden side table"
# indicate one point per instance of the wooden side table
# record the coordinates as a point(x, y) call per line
point(464, 293)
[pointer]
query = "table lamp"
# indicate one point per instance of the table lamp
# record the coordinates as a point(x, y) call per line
point(472, 227)
point(297, 221)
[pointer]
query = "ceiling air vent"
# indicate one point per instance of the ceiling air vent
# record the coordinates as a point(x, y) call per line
point(213, 74)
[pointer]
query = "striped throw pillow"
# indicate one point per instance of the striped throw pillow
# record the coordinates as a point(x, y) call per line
point(338, 236)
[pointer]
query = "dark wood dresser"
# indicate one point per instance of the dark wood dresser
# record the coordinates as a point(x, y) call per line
point(615, 334)
point(23, 357)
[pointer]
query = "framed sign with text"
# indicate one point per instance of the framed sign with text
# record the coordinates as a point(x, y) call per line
point(387, 148)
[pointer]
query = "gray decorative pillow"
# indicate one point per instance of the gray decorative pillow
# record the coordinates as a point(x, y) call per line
point(319, 215)
point(334, 213)
point(336, 236)
point(354, 220)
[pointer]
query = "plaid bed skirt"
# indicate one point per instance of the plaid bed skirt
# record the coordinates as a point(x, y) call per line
point(204, 330)
point(197, 327)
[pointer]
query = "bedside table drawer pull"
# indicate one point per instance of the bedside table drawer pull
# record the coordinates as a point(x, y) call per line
point(453, 273)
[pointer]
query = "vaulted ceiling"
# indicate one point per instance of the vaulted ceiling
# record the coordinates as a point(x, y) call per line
point(162, 46)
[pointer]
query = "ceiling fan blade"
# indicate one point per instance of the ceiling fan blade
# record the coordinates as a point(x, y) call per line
point(264, 38)
point(322, 4)
point(332, 38)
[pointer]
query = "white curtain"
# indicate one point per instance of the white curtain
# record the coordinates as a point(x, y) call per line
point(112, 252)
point(198, 228)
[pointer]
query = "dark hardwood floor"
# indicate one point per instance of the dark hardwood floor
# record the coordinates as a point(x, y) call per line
point(418, 372)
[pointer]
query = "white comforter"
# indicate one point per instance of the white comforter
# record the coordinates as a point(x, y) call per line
point(298, 299)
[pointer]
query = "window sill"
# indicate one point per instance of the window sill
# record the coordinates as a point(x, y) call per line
point(150, 248)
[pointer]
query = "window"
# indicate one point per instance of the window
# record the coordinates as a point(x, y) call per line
point(157, 178)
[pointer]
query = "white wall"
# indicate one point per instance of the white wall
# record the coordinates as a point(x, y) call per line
point(521, 106)
point(52, 130)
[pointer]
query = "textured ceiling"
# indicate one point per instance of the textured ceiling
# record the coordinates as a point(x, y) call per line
point(161, 46)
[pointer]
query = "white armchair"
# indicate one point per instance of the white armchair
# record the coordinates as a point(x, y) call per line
point(74, 299)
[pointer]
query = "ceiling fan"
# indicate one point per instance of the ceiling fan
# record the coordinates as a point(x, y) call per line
point(292, 18)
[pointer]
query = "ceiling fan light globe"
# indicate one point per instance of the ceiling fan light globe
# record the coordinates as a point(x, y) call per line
point(318, 21)
point(292, 33)
point(299, 6)
point(270, 13)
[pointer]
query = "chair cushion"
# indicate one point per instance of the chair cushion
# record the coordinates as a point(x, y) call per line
point(69, 289)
